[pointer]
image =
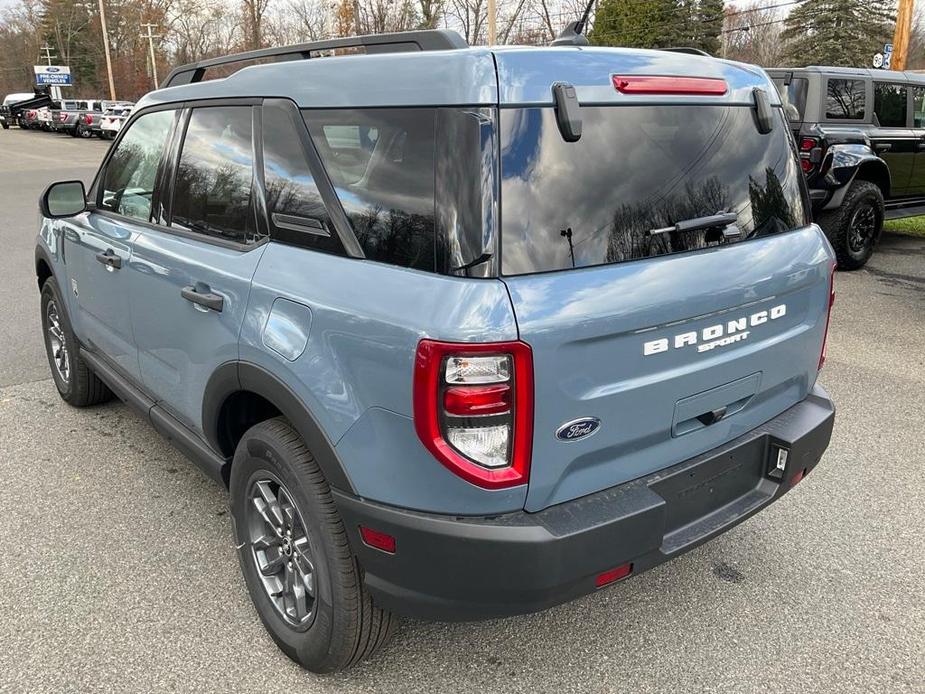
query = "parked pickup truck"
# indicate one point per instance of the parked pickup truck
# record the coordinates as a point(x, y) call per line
point(112, 121)
point(9, 102)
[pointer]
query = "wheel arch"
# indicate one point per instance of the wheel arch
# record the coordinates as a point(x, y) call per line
point(43, 267)
point(241, 394)
point(877, 172)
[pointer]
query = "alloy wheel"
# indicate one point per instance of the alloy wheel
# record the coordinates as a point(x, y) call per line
point(57, 342)
point(861, 228)
point(281, 550)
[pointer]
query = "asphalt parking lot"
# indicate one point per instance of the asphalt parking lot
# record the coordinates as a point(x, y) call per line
point(118, 572)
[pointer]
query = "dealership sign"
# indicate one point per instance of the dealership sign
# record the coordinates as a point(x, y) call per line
point(52, 74)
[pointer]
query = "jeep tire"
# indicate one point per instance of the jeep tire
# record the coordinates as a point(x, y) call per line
point(76, 383)
point(303, 578)
point(854, 228)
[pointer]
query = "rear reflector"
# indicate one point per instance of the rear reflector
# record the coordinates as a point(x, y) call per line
point(656, 84)
point(377, 539)
point(797, 477)
point(616, 574)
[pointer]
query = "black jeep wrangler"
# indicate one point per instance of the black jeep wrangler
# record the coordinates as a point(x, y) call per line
point(861, 136)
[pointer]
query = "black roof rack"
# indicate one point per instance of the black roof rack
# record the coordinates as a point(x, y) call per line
point(428, 40)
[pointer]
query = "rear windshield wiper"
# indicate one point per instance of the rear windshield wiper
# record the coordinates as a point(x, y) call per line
point(722, 219)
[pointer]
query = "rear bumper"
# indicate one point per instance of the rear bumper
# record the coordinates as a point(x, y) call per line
point(463, 568)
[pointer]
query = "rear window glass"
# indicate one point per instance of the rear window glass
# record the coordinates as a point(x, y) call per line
point(793, 96)
point(381, 163)
point(845, 99)
point(637, 169)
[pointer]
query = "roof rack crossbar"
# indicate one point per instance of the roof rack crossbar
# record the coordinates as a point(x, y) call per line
point(426, 40)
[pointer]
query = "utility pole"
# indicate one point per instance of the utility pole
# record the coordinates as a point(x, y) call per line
point(112, 86)
point(901, 36)
point(151, 38)
point(492, 22)
point(55, 89)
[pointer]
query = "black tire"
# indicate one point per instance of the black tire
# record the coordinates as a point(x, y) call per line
point(854, 228)
point(76, 383)
point(342, 625)
point(85, 133)
point(6, 126)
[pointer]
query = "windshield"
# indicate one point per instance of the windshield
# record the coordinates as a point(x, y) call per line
point(793, 96)
point(637, 169)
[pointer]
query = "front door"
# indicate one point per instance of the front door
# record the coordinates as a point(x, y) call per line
point(891, 137)
point(192, 277)
point(98, 243)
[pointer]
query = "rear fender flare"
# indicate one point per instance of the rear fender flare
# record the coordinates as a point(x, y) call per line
point(846, 162)
point(232, 377)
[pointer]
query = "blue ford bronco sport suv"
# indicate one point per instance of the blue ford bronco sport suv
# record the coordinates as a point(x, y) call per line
point(467, 332)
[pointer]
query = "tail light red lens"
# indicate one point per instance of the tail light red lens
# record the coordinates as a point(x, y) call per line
point(808, 143)
point(660, 84)
point(473, 409)
point(806, 165)
point(828, 318)
point(810, 153)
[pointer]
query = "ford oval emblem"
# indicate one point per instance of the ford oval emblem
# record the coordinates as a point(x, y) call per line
point(578, 429)
point(52, 69)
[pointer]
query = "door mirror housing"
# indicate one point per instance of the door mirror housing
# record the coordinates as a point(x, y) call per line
point(63, 199)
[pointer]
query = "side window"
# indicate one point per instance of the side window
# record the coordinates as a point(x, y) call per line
point(890, 104)
point(297, 212)
point(381, 162)
point(845, 99)
point(128, 183)
point(213, 189)
point(918, 107)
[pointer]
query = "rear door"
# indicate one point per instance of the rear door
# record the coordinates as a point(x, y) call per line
point(891, 137)
point(192, 277)
point(676, 341)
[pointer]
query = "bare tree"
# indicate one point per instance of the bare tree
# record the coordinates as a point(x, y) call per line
point(752, 35)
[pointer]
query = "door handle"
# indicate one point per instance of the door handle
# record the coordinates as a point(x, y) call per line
point(883, 147)
point(206, 299)
point(109, 259)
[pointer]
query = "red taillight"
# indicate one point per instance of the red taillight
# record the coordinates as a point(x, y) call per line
point(612, 575)
point(474, 401)
point(828, 318)
point(810, 153)
point(658, 84)
point(473, 409)
point(88, 119)
point(377, 539)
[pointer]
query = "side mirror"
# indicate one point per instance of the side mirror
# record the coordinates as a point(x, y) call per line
point(63, 199)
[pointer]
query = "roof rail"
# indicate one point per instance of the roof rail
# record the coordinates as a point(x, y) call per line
point(427, 40)
point(685, 49)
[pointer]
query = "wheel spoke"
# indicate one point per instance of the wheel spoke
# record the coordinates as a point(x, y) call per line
point(275, 560)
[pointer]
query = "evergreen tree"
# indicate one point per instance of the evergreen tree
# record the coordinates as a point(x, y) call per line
point(635, 24)
point(838, 32)
point(708, 24)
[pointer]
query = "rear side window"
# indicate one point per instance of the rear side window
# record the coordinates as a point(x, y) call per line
point(381, 163)
point(793, 96)
point(297, 212)
point(128, 184)
point(918, 107)
point(845, 99)
point(637, 169)
point(890, 104)
point(213, 190)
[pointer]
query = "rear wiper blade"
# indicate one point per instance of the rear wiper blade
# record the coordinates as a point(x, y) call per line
point(722, 219)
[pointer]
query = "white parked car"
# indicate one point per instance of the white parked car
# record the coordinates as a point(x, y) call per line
point(112, 120)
